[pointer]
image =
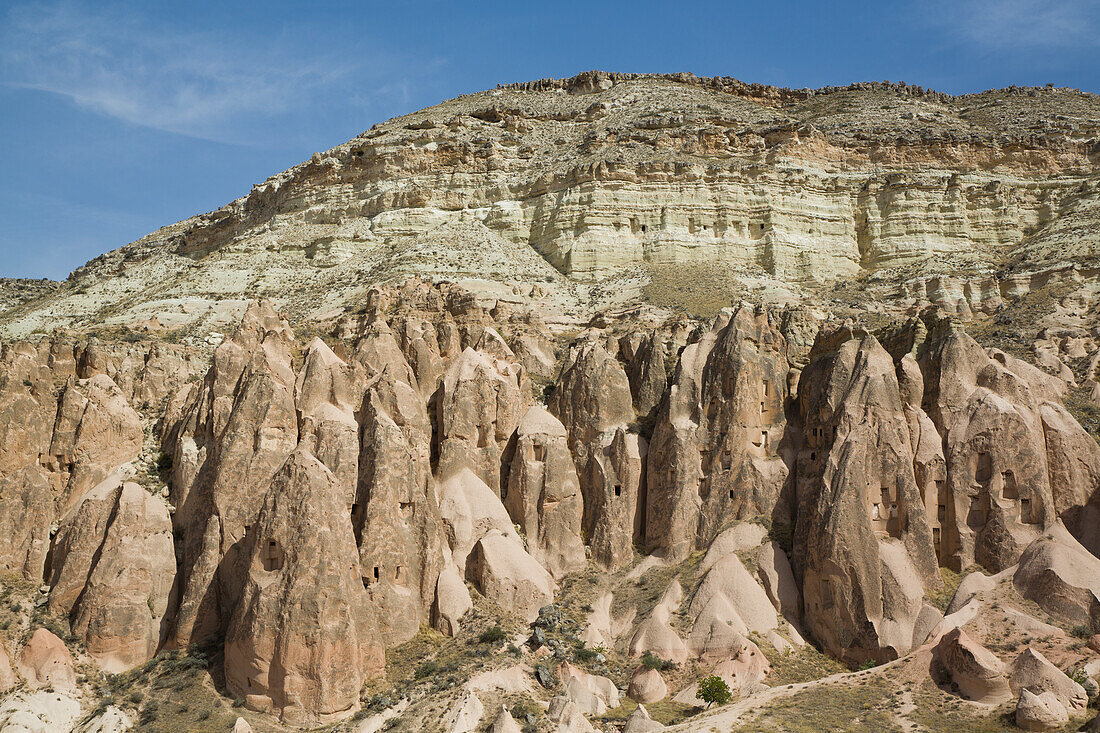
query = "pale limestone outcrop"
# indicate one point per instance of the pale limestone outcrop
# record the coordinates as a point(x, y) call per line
point(237, 431)
point(600, 628)
point(593, 401)
point(452, 599)
point(112, 570)
point(465, 714)
point(862, 542)
point(301, 642)
point(542, 493)
point(729, 584)
point(395, 512)
point(976, 671)
point(568, 717)
point(714, 455)
point(478, 406)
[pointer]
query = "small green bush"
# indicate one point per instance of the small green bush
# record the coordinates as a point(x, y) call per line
point(427, 669)
point(714, 690)
point(492, 635)
point(652, 661)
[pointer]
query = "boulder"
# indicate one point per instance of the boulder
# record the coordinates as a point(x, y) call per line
point(646, 686)
point(452, 600)
point(1032, 672)
point(1063, 578)
point(1041, 712)
point(568, 717)
point(285, 651)
point(976, 671)
point(640, 722)
point(241, 726)
point(591, 694)
point(542, 493)
point(504, 573)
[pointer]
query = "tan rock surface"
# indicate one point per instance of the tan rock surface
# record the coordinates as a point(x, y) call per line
point(300, 642)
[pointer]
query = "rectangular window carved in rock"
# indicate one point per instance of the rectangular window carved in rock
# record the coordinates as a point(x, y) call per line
point(539, 452)
point(272, 556)
point(1010, 491)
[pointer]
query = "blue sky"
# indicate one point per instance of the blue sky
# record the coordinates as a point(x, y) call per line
point(117, 118)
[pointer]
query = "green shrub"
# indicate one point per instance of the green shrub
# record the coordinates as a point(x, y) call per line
point(713, 690)
point(652, 661)
point(427, 669)
point(492, 635)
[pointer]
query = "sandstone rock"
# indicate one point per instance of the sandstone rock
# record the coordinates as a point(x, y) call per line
point(778, 580)
point(236, 433)
point(96, 431)
point(242, 726)
point(504, 573)
point(504, 723)
point(729, 579)
point(743, 674)
point(542, 493)
point(326, 400)
point(478, 407)
point(656, 635)
point(46, 662)
point(395, 512)
point(1032, 672)
point(978, 674)
point(8, 678)
point(593, 401)
point(640, 722)
point(1040, 712)
point(285, 651)
point(113, 566)
point(470, 510)
point(465, 715)
point(591, 694)
point(452, 600)
point(603, 630)
point(862, 542)
point(998, 493)
point(646, 686)
point(1063, 578)
point(714, 453)
point(738, 538)
point(568, 717)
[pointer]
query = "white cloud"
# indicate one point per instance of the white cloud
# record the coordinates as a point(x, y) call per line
point(196, 83)
point(1020, 24)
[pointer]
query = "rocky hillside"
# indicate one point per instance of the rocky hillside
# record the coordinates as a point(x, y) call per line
point(618, 403)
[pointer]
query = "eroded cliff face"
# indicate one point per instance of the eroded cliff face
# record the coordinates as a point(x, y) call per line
point(573, 185)
point(530, 466)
